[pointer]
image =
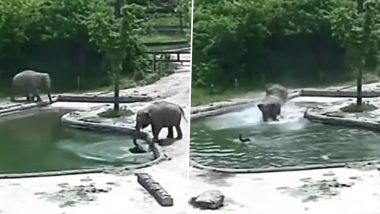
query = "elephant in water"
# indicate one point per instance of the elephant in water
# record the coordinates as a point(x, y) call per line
point(31, 83)
point(159, 115)
point(270, 106)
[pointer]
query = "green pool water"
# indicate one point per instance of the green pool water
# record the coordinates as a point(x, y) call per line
point(35, 141)
point(292, 141)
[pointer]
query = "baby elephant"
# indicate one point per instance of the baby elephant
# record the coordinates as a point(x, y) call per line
point(31, 83)
point(159, 115)
point(270, 106)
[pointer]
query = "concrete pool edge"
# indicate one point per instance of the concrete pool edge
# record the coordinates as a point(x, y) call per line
point(316, 115)
point(238, 105)
point(14, 108)
point(66, 121)
point(280, 169)
point(72, 122)
point(212, 110)
point(105, 170)
point(102, 98)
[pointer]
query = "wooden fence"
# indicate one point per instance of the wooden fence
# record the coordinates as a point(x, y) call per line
point(166, 57)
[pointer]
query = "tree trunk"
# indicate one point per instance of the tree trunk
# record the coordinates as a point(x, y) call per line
point(82, 64)
point(359, 88)
point(180, 22)
point(118, 5)
point(359, 80)
point(116, 70)
point(116, 105)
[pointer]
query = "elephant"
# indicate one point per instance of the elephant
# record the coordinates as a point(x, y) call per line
point(30, 83)
point(159, 115)
point(270, 106)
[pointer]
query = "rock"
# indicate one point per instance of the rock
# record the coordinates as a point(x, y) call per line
point(212, 199)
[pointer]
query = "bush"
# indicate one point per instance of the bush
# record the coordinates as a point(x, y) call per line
point(293, 42)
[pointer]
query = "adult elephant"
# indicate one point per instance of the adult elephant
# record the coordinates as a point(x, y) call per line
point(270, 106)
point(159, 115)
point(30, 83)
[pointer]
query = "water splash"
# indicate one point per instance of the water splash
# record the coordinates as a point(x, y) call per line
point(111, 151)
point(291, 141)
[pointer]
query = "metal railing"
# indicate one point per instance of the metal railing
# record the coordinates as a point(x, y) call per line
point(167, 57)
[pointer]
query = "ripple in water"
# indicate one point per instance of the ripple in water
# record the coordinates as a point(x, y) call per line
point(291, 141)
point(111, 151)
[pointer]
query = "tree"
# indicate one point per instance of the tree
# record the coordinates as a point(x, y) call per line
point(183, 9)
point(16, 19)
point(117, 38)
point(355, 26)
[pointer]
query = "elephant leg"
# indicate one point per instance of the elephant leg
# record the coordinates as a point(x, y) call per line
point(277, 111)
point(51, 101)
point(156, 132)
point(29, 98)
point(179, 132)
point(265, 117)
point(38, 98)
point(170, 132)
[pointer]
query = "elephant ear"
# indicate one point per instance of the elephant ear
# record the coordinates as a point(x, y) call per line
point(260, 106)
point(45, 81)
point(146, 113)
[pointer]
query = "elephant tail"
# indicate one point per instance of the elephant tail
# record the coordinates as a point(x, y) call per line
point(183, 114)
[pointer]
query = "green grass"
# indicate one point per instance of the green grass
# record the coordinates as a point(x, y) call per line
point(165, 47)
point(163, 37)
point(131, 82)
point(168, 20)
point(202, 96)
point(110, 113)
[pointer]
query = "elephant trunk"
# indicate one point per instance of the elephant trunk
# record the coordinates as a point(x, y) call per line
point(263, 112)
point(51, 101)
point(265, 117)
point(137, 127)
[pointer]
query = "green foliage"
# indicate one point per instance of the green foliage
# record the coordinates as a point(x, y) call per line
point(294, 42)
point(118, 39)
point(358, 32)
point(184, 8)
point(17, 18)
point(93, 35)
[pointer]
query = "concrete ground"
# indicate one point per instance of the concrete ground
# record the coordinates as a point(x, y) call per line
point(110, 193)
point(328, 191)
point(293, 192)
